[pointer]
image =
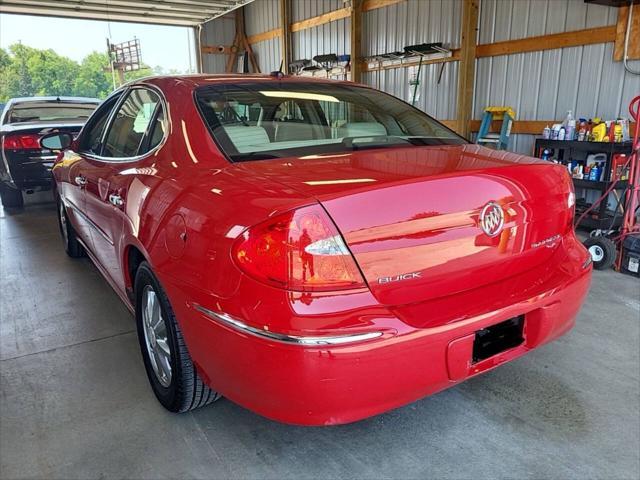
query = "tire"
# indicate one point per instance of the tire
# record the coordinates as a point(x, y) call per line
point(69, 237)
point(603, 251)
point(170, 370)
point(11, 197)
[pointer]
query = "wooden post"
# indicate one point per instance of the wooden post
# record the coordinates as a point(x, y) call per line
point(240, 42)
point(467, 68)
point(285, 38)
point(356, 40)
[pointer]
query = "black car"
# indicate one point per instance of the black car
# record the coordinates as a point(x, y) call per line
point(25, 165)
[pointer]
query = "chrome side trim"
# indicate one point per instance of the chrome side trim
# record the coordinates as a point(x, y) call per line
point(88, 220)
point(236, 324)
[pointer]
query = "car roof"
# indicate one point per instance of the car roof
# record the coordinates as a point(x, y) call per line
point(200, 79)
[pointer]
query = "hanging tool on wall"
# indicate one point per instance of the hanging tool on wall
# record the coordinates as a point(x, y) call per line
point(422, 50)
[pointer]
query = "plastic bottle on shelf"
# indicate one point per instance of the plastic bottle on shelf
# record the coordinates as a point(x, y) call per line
point(618, 131)
point(546, 133)
point(624, 122)
point(582, 130)
point(612, 131)
point(545, 154)
point(598, 132)
point(569, 125)
point(562, 133)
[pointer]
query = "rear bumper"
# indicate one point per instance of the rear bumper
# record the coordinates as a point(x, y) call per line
point(28, 169)
point(334, 384)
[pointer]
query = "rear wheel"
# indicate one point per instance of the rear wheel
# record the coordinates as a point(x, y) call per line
point(171, 372)
point(602, 250)
point(69, 238)
point(11, 197)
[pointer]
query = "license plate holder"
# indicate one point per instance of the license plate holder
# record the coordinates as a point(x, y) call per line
point(497, 338)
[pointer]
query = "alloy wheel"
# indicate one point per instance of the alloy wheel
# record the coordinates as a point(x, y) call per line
point(62, 216)
point(156, 336)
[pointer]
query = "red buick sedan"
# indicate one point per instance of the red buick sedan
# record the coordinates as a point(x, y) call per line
point(318, 252)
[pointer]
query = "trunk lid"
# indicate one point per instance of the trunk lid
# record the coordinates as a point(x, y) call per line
point(412, 217)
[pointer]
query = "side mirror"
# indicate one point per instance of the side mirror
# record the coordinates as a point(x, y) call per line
point(56, 141)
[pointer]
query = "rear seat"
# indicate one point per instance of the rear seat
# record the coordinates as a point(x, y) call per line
point(360, 129)
point(291, 131)
point(245, 138)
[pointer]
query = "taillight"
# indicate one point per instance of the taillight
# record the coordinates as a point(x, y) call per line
point(300, 250)
point(21, 142)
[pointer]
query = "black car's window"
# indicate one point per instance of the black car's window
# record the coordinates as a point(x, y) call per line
point(131, 122)
point(305, 119)
point(91, 140)
point(50, 111)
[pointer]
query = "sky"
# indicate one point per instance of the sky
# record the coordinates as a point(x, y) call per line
point(163, 46)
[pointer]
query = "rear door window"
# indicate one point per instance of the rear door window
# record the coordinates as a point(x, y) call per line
point(91, 140)
point(131, 123)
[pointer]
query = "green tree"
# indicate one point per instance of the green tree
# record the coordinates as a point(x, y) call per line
point(5, 59)
point(51, 74)
point(18, 78)
point(145, 71)
point(94, 76)
point(8, 79)
point(27, 71)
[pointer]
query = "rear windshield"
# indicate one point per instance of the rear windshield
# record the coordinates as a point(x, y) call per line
point(256, 120)
point(53, 112)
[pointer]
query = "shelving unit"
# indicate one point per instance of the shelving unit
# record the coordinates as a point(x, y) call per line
point(565, 151)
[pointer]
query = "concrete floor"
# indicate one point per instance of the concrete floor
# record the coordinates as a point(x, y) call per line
point(75, 401)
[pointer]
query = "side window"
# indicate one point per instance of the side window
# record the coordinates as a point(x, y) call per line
point(92, 135)
point(130, 124)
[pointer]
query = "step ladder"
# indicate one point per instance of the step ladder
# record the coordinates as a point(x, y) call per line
point(501, 140)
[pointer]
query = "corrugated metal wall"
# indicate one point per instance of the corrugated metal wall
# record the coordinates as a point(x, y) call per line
point(544, 85)
point(263, 16)
point(220, 31)
point(412, 22)
point(538, 85)
point(331, 37)
point(384, 30)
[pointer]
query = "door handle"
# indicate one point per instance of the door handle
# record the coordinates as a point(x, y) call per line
point(116, 200)
point(80, 180)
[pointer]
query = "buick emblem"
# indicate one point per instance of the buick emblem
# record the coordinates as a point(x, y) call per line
point(492, 219)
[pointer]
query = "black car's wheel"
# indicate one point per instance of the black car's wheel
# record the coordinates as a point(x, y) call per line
point(602, 250)
point(69, 238)
point(172, 374)
point(11, 197)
